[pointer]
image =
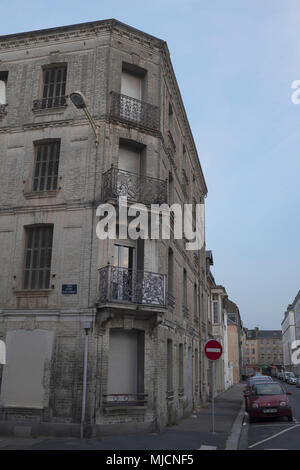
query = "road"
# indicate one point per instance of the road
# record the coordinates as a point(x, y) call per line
point(274, 434)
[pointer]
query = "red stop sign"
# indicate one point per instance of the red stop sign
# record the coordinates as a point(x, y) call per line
point(213, 349)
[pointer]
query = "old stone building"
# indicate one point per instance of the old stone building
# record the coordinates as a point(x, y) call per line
point(146, 300)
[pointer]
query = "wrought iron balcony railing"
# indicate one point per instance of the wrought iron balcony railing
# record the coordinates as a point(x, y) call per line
point(48, 103)
point(136, 188)
point(3, 110)
point(133, 286)
point(125, 399)
point(135, 111)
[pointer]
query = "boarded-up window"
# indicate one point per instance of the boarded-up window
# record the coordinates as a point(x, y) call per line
point(38, 251)
point(46, 165)
point(54, 89)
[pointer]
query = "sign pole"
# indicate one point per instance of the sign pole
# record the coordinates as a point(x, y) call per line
point(213, 351)
point(213, 395)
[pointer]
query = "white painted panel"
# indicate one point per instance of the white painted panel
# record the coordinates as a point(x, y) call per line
point(122, 368)
point(131, 86)
point(129, 159)
point(2, 92)
point(27, 354)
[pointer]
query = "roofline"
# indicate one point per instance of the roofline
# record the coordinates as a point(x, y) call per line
point(57, 29)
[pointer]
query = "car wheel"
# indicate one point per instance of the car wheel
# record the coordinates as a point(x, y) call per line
point(252, 419)
point(290, 418)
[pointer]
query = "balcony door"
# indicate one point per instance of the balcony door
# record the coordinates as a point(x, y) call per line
point(131, 87)
point(128, 180)
point(124, 272)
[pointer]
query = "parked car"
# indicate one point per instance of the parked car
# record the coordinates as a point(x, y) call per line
point(280, 375)
point(268, 399)
point(251, 381)
point(291, 380)
point(287, 375)
point(298, 382)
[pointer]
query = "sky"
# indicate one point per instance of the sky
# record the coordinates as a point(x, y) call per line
point(235, 61)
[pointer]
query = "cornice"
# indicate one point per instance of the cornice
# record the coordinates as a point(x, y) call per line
point(79, 31)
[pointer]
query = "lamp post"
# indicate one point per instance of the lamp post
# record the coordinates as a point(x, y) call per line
point(79, 100)
point(86, 326)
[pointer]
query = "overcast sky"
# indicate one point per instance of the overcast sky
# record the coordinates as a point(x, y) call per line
point(235, 61)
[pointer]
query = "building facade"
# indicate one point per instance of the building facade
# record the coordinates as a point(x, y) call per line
point(291, 334)
point(145, 300)
point(263, 350)
point(234, 331)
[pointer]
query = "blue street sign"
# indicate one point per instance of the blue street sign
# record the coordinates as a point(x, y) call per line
point(69, 289)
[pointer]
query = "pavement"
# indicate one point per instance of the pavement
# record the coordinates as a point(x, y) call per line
point(193, 433)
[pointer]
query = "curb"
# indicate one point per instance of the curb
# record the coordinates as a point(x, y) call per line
point(232, 442)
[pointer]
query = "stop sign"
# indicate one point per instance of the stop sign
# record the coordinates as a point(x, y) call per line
point(213, 349)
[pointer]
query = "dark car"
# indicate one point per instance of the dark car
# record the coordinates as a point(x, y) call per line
point(268, 399)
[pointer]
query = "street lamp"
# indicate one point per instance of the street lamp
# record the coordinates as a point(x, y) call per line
point(79, 100)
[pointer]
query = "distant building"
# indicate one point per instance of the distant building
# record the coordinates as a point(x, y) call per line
point(234, 334)
point(263, 349)
point(290, 332)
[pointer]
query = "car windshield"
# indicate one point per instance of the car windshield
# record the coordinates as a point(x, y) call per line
point(290, 374)
point(267, 389)
point(260, 379)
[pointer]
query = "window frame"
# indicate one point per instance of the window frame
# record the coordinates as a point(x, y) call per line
point(31, 245)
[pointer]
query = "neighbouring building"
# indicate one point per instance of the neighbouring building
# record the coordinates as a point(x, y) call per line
point(146, 301)
point(263, 350)
point(290, 333)
point(234, 332)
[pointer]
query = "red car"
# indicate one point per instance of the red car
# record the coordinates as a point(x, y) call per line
point(268, 399)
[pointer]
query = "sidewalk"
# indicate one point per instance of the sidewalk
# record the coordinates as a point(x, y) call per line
point(189, 434)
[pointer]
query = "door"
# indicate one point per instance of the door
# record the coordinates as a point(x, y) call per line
point(190, 377)
point(131, 87)
point(124, 274)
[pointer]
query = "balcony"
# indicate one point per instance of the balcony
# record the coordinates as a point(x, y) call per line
point(136, 188)
point(134, 111)
point(130, 286)
point(49, 103)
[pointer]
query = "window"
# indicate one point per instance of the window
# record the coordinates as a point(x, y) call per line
point(184, 288)
point(170, 113)
point(170, 271)
point(54, 86)
point(38, 251)
point(180, 374)
point(126, 366)
point(195, 301)
point(3, 87)
point(216, 308)
point(46, 166)
point(169, 366)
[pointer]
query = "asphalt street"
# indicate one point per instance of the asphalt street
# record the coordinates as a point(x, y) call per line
point(274, 433)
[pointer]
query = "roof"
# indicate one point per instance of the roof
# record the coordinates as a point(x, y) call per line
point(269, 334)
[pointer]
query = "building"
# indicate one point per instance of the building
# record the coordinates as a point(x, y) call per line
point(290, 326)
point(263, 350)
point(234, 332)
point(144, 302)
